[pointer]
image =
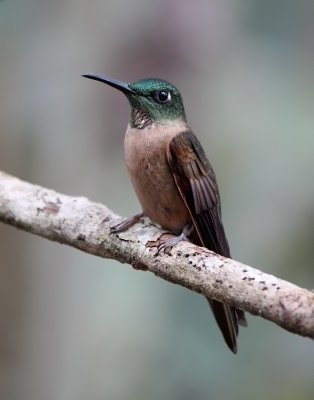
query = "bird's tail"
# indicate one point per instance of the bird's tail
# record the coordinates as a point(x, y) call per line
point(228, 319)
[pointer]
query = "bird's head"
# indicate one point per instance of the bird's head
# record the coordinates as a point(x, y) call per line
point(152, 100)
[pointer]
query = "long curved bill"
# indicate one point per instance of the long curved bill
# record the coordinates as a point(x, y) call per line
point(122, 86)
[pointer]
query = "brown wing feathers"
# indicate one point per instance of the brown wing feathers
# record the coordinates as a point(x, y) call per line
point(197, 185)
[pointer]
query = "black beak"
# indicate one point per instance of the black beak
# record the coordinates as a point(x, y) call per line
point(122, 86)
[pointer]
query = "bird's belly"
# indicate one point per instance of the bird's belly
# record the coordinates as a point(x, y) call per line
point(155, 187)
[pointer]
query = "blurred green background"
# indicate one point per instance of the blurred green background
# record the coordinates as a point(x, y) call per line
point(73, 326)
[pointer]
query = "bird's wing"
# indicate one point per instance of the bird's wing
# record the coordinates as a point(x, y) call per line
point(196, 182)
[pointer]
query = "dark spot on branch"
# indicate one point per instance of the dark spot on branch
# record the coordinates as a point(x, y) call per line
point(218, 281)
point(264, 288)
point(244, 270)
point(282, 305)
point(81, 237)
point(251, 279)
point(139, 266)
point(244, 279)
point(10, 220)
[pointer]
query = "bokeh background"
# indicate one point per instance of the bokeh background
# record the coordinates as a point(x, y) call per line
point(73, 326)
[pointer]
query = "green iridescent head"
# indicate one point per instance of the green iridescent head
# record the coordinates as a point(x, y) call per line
point(152, 100)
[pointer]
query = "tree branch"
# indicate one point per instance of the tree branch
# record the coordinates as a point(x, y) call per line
point(79, 223)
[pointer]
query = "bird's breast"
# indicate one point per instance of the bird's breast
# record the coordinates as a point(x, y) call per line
point(152, 179)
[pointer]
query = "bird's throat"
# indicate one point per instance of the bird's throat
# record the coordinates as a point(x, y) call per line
point(140, 119)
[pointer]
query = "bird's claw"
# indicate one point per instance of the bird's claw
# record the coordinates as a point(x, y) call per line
point(167, 245)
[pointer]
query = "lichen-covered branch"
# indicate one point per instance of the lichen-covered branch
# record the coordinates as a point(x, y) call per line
point(79, 223)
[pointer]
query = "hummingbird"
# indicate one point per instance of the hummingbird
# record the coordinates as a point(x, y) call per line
point(173, 179)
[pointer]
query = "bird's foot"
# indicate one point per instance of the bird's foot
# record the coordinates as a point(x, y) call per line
point(127, 223)
point(166, 246)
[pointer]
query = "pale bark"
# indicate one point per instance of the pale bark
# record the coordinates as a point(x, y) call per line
point(85, 225)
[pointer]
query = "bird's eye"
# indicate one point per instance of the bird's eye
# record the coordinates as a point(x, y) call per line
point(162, 96)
